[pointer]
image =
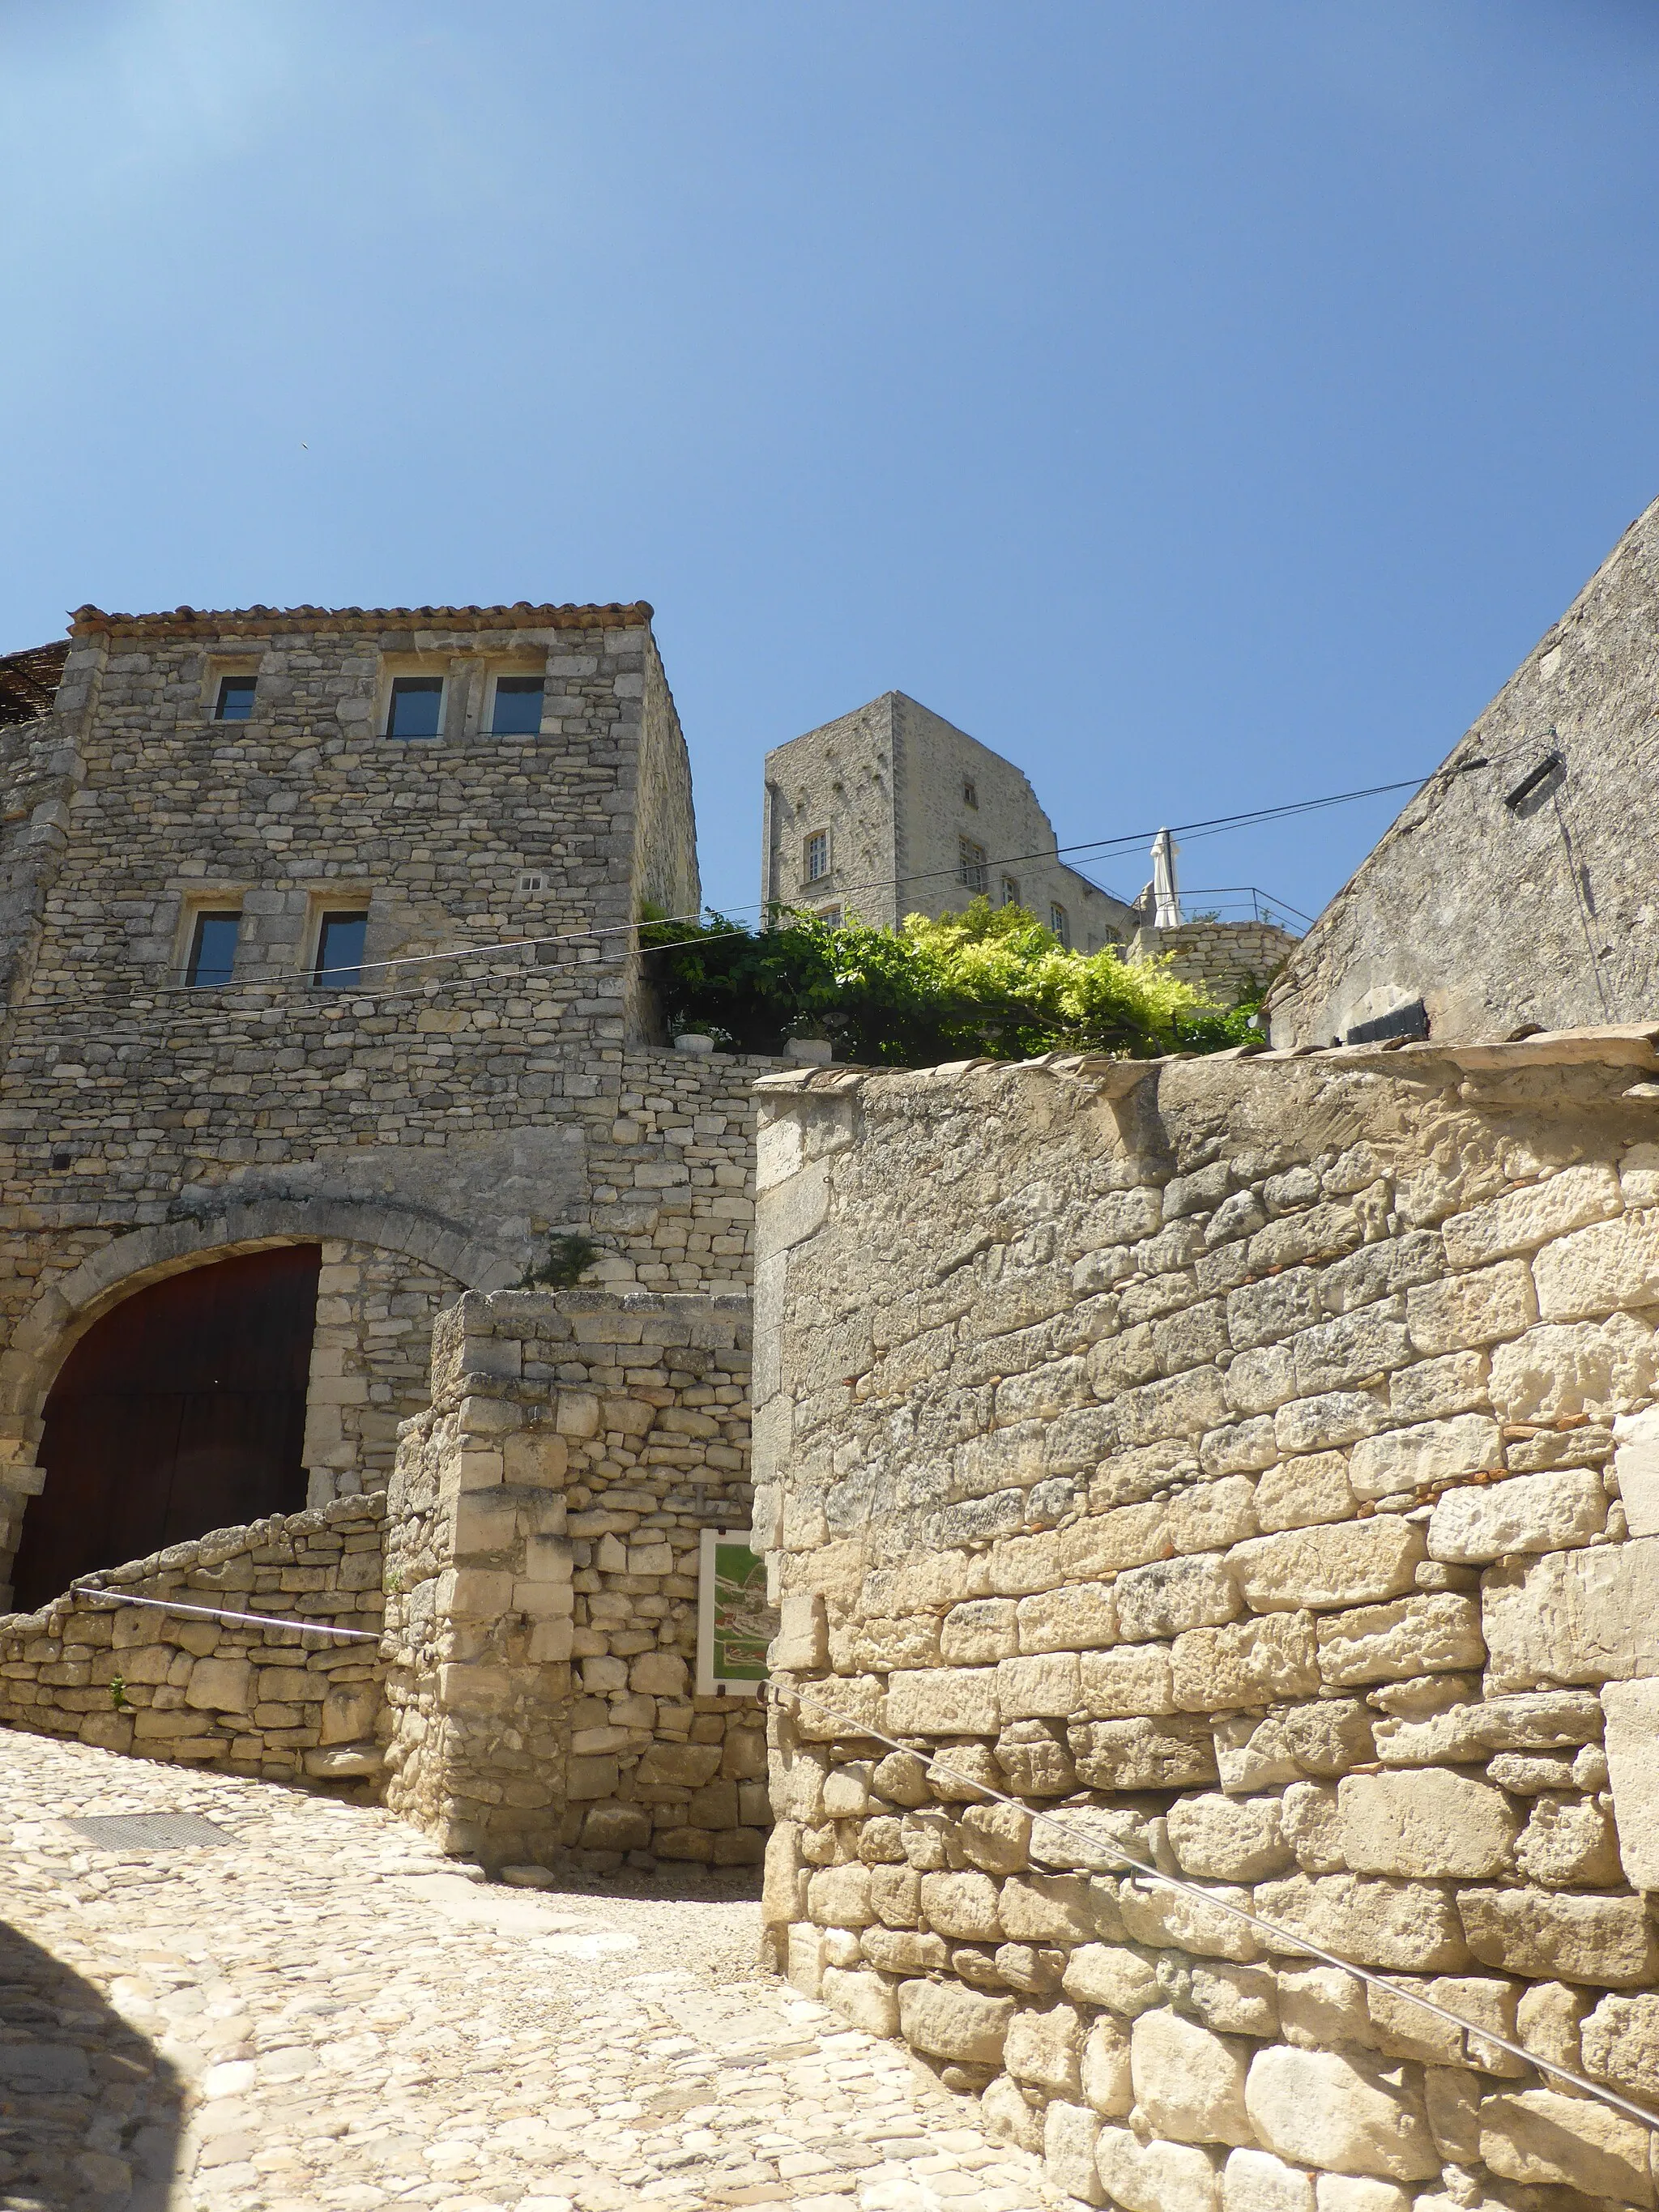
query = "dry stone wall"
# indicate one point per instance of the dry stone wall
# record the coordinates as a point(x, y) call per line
point(1254, 1462)
point(545, 1516)
point(272, 1702)
point(1225, 958)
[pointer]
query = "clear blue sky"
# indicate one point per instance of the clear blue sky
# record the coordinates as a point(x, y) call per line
point(1205, 404)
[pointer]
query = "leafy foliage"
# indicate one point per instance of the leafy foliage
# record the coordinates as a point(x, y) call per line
point(990, 983)
point(568, 1259)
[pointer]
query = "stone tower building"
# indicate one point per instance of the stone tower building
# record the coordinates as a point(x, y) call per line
point(321, 1010)
point(891, 810)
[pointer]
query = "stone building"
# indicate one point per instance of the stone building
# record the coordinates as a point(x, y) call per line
point(321, 1011)
point(1519, 886)
point(891, 810)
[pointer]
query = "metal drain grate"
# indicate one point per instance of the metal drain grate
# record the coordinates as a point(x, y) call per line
point(149, 1831)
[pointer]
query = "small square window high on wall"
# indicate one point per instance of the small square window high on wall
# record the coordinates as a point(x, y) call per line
point(1060, 922)
point(1010, 891)
point(971, 793)
point(415, 706)
point(971, 865)
point(815, 856)
point(212, 949)
point(518, 706)
point(235, 700)
point(339, 962)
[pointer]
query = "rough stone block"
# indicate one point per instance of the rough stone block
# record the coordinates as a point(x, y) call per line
point(1249, 1663)
point(1354, 2192)
point(1427, 1452)
point(1351, 1563)
point(1521, 1220)
point(980, 1632)
point(1569, 1844)
point(1235, 2000)
point(1047, 1908)
point(1167, 1595)
point(838, 1897)
point(1080, 1617)
point(862, 1999)
point(1632, 1748)
point(1188, 2083)
point(1113, 1975)
point(1425, 1634)
point(1560, 1370)
point(1177, 1919)
point(946, 2021)
point(1143, 1754)
point(960, 1905)
point(943, 1701)
point(1528, 1513)
point(801, 1644)
point(1427, 1823)
point(1256, 2181)
point(1531, 1721)
point(1228, 1838)
point(1619, 2043)
point(1552, 1937)
point(1302, 1493)
point(1538, 2136)
point(1339, 2110)
point(1107, 2082)
point(1635, 1464)
point(895, 1892)
point(1156, 2177)
point(1037, 1689)
point(223, 1686)
point(1488, 1306)
point(1069, 2134)
point(1043, 2047)
point(1608, 1267)
point(1586, 1616)
point(804, 1965)
point(1323, 1423)
point(1407, 1925)
point(1035, 1759)
point(1312, 1828)
point(1133, 1680)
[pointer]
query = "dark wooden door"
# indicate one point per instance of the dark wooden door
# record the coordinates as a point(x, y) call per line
point(182, 1410)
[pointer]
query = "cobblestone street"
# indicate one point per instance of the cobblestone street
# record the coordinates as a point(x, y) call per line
point(321, 2012)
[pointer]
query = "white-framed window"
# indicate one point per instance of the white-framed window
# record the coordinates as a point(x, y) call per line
point(415, 706)
point(830, 916)
point(1009, 895)
point(815, 856)
point(1061, 923)
point(970, 864)
point(531, 881)
point(971, 793)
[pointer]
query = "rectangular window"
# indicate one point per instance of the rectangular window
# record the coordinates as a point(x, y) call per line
point(340, 951)
point(970, 793)
point(1010, 891)
point(829, 916)
point(1060, 922)
point(235, 698)
point(518, 711)
point(212, 949)
point(416, 703)
point(971, 865)
point(816, 856)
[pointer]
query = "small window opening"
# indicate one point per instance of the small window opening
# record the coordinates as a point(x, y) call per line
point(969, 793)
point(61, 1161)
point(518, 712)
point(340, 951)
point(533, 880)
point(970, 864)
point(816, 856)
point(212, 949)
point(1010, 891)
point(415, 706)
point(829, 916)
point(1060, 922)
point(235, 698)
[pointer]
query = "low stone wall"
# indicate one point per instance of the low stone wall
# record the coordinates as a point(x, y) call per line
point(1225, 958)
point(276, 1703)
point(1257, 1461)
point(546, 1515)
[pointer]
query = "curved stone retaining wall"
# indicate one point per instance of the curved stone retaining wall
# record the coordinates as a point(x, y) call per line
point(1255, 1461)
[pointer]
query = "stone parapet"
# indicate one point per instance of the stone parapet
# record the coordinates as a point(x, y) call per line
point(1252, 1463)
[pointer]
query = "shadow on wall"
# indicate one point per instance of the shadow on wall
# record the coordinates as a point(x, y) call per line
point(89, 2112)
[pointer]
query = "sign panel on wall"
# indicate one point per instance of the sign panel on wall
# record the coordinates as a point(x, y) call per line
point(734, 1622)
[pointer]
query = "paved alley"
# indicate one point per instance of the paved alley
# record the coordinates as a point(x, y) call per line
point(319, 2014)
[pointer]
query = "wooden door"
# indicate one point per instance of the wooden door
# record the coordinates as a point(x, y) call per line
point(182, 1410)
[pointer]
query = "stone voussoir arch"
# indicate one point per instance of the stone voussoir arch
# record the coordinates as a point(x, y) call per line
point(67, 1307)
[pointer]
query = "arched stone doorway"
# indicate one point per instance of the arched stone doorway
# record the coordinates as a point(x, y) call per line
point(182, 1409)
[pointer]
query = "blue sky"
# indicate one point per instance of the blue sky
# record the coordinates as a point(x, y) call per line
point(1205, 404)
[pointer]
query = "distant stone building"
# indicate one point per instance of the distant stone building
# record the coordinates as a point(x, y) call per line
point(891, 810)
point(321, 1009)
point(1519, 887)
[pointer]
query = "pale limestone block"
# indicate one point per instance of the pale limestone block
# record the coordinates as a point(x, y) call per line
point(1250, 1663)
point(1427, 1452)
point(979, 1632)
point(348, 1712)
point(1608, 1268)
point(1426, 1823)
point(1585, 1616)
point(1300, 1493)
point(1144, 1754)
point(1354, 2192)
point(1570, 1843)
point(900, 1778)
point(1004, 2112)
point(1538, 2136)
point(1319, 2005)
point(1550, 1936)
point(780, 1897)
point(1047, 1908)
point(896, 1893)
point(1638, 1176)
point(222, 1685)
point(1166, 1595)
point(961, 1905)
point(838, 1897)
point(1350, 1563)
point(1635, 1464)
point(1550, 1512)
point(911, 1640)
point(1594, 1368)
point(1405, 2030)
point(1434, 1388)
point(1235, 2000)
point(1174, 1917)
point(1427, 1633)
point(996, 1837)
point(1259, 1382)
point(1375, 1921)
point(805, 1967)
point(577, 1413)
point(1211, 1515)
point(946, 2021)
point(1521, 1220)
point(1135, 1679)
point(1341, 2112)
point(1091, 1837)
point(1228, 1838)
point(538, 1456)
point(862, 1999)
point(1322, 1423)
point(1465, 1312)
point(1069, 2134)
point(1632, 1749)
point(1043, 2047)
point(1549, 2017)
point(1156, 2177)
point(1312, 1827)
point(846, 1792)
point(1188, 2083)
point(1539, 1720)
point(1453, 2098)
point(1256, 2181)
point(1042, 1687)
point(942, 1701)
point(1107, 2082)
point(1619, 2043)
point(1080, 1617)
point(1348, 1352)
point(475, 1593)
point(1111, 1974)
point(484, 1521)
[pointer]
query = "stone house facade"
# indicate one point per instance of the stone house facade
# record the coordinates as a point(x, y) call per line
point(1517, 888)
point(1252, 1462)
point(316, 931)
point(891, 810)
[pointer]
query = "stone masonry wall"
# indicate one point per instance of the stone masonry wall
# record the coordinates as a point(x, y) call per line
point(1225, 958)
point(275, 1702)
point(1257, 1460)
point(543, 1578)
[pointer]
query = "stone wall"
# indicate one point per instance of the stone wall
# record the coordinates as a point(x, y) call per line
point(545, 1518)
point(1225, 958)
point(275, 1702)
point(1255, 1461)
